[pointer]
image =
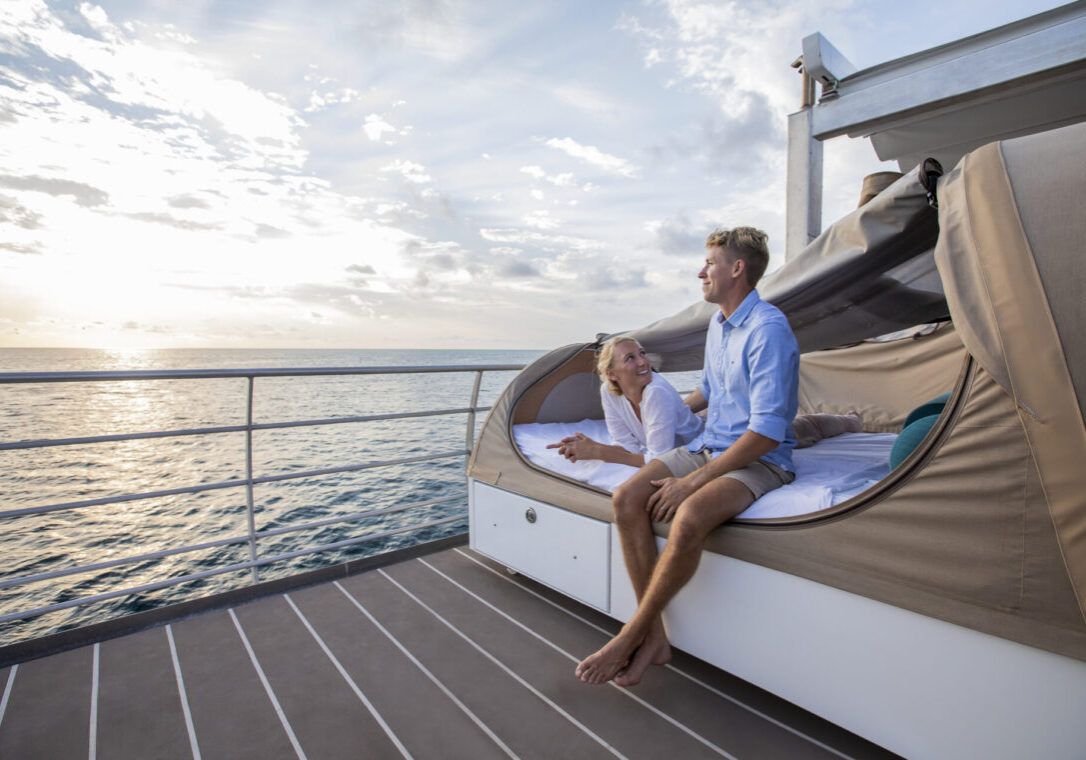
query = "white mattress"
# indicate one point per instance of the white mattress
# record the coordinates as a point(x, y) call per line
point(828, 473)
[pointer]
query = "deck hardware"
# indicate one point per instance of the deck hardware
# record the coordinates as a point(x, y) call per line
point(529, 515)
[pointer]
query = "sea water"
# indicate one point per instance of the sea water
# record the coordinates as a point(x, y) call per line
point(33, 477)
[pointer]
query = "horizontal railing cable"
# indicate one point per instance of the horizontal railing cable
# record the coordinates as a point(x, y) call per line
point(22, 580)
point(220, 570)
point(225, 484)
point(113, 438)
point(248, 482)
point(213, 374)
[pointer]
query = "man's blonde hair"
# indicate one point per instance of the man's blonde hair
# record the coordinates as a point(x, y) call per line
point(746, 243)
point(606, 355)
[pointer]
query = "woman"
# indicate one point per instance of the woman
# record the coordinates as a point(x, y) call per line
point(645, 415)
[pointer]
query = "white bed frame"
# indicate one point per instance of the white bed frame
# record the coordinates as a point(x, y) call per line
point(918, 686)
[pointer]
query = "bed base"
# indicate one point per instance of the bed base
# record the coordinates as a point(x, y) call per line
point(918, 686)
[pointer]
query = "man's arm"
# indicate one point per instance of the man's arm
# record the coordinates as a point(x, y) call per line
point(696, 401)
point(671, 492)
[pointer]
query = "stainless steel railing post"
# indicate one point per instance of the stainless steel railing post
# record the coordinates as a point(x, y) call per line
point(249, 481)
point(469, 440)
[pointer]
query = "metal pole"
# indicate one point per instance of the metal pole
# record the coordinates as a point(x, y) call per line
point(249, 481)
point(469, 441)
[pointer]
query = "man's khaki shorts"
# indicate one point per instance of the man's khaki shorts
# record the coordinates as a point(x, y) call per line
point(760, 477)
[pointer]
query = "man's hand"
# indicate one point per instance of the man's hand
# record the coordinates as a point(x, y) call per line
point(576, 447)
point(670, 493)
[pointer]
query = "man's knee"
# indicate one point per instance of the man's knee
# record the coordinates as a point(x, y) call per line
point(687, 535)
point(628, 502)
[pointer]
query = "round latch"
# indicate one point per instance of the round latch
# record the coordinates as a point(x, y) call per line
point(529, 515)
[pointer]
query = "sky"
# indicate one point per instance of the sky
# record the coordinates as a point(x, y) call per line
point(413, 174)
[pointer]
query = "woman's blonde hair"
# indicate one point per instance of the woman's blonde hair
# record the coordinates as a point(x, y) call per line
point(606, 355)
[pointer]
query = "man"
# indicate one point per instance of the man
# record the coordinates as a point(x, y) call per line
point(749, 384)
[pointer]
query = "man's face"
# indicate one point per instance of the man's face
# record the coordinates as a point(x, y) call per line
point(717, 276)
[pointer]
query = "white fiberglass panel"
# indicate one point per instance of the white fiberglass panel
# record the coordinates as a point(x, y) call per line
point(918, 686)
point(564, 550)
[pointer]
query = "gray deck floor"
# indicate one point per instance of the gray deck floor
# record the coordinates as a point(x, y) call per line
point(444, 656)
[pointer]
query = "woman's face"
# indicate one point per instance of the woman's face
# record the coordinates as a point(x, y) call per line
point(630, 367)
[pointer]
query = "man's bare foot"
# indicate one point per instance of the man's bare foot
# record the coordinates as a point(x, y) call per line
point(655, 650)
point(612, 657)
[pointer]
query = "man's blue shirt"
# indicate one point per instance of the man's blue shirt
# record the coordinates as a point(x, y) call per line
point(750, 379)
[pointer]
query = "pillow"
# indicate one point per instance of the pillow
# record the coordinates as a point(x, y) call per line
point(911, 437)
point(935, 406)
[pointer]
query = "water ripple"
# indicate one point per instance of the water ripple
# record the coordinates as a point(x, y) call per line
point(52, 541)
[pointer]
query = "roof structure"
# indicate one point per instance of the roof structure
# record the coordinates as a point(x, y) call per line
point(1025, 77)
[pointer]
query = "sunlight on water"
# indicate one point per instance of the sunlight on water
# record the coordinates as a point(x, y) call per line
point(52, 541)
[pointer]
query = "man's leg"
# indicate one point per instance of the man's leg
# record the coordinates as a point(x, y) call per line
point(637, 642)
point(634, 523)
point(635, 534)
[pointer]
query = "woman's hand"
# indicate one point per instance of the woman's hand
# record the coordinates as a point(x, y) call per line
point(577, 447)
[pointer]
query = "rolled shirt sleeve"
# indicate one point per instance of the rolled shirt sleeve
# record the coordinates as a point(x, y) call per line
point(774, 371)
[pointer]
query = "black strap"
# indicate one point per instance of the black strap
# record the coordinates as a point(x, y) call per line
point(930, 172)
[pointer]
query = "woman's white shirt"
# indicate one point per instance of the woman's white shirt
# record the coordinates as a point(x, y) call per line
point(666, 422)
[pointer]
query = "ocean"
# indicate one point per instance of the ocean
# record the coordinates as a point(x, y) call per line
point(45, 542)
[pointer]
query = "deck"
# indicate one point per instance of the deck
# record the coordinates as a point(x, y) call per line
point(444, 655)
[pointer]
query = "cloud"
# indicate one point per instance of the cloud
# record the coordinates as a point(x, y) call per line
point(541, 220)
point(171, 221)
point(518, 268)
point(675, 237)
point(318, 101)
point(14, 212)
point(594, 156)
point(612, 277)
point(411, 171)
point(434, 27)
point(566, 179)
point(187, 201)
point(751, 124)
point(375, 127)
point(34, 249)
point(268, 232)
point(84, 195)
point(547, 242)
point(361, 269)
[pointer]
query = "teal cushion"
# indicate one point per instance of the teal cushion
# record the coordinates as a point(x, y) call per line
point(910, 438)
point(935, 406)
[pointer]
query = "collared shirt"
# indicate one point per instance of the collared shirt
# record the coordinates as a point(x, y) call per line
point(750, 379)
point(665, 421)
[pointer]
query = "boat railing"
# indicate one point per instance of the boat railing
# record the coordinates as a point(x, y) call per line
point(251, 479)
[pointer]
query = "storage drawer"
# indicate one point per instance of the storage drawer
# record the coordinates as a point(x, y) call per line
point(564, 550)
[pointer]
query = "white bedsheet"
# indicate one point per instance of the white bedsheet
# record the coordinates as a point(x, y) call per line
point(827, 473)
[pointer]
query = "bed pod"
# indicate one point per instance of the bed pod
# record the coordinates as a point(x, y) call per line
point(868, 612)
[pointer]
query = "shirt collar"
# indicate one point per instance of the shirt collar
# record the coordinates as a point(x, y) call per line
point(740, 315)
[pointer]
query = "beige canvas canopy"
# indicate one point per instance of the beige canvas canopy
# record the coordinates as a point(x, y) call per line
point(984, 525)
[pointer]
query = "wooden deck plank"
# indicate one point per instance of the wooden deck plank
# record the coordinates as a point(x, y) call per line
point(525, 723)
point(231, 712)
point(735, 688)
point(428, 722)
point(48, 711)
point(628, 726)
point(139, 706)
point(326, 715)
point(4, 674)
point(726, 724)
